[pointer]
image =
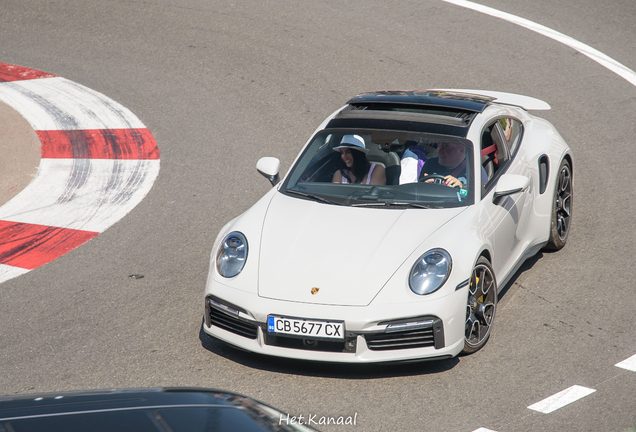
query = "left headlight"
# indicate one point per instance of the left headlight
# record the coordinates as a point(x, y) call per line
point(430, 272)
point(232, 254)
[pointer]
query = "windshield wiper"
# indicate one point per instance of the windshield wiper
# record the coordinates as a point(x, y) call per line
point(391, 204)
point(314, 197)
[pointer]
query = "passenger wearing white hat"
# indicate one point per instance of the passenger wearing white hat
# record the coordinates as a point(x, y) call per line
point(355, 166)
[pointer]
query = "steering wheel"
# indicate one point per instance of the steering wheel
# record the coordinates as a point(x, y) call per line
point(437, 178)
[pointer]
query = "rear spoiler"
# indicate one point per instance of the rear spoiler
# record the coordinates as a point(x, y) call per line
point(526, 102)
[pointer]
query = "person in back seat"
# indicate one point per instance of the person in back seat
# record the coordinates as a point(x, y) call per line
point(412, 163)
point(355, 166)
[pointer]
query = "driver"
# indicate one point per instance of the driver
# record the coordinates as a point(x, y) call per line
point(450, 163)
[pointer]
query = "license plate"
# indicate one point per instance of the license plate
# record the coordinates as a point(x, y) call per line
point(306, 328)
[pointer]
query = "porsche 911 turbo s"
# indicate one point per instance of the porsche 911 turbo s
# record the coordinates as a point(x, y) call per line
point(394, 230)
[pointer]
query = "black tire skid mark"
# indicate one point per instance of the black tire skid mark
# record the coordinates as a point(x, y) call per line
point(76, 180)
point(24, 241)
point(126, 144)
point(48, 240)
point(60, 117)
point(106, 104)
point(120, 149)
point(120, 188)
point(128, 186)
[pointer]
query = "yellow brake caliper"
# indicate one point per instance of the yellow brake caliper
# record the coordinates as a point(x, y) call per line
point(481, 298)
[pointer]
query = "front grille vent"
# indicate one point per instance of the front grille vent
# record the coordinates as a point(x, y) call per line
point(400, 340)
point(232, 324)
point(425, 332)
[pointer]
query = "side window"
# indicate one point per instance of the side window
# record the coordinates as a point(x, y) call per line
point(511, 130)
point(494, 153)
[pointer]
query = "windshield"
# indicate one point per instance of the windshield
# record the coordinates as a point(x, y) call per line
point(360, 167)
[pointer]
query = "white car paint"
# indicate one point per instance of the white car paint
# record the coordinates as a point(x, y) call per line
point(374, 242)
point(321, 261)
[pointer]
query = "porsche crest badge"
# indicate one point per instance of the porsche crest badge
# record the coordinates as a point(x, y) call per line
point(314, 291)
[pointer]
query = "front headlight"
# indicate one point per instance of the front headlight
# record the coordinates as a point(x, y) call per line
point(231, 255)
point(430, 272)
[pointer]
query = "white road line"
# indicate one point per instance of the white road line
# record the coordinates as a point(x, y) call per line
point(561, 399)
point(629, 364)
point(584, 49)
point(483, 430)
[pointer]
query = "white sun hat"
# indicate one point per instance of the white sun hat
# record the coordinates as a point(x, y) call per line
point(353, 142)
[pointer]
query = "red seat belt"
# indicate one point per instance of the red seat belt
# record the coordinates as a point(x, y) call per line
point(488, 150)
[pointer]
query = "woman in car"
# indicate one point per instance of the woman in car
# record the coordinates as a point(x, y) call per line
point(355, 166)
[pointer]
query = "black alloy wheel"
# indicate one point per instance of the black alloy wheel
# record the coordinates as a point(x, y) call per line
point(481, 306)
point(562, 208)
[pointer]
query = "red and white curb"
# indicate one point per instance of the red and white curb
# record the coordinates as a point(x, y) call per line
point(98, 162)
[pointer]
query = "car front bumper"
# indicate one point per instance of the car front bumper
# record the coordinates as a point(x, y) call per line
point(431, 329)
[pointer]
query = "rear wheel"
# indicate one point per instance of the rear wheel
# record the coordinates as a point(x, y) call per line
point(481, 306)
point(561, 208)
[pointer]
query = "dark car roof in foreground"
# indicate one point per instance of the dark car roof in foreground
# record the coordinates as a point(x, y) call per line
point(154, 409)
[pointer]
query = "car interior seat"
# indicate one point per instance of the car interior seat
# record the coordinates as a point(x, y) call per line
point(389, 160)
point(381, 151)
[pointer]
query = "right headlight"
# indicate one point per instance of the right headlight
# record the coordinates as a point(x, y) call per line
point(232, 254)
point(430, 272)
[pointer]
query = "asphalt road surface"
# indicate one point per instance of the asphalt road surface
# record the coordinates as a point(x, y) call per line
point(221, 84)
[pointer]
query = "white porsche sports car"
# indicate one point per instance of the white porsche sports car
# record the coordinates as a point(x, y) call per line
point(393, 232)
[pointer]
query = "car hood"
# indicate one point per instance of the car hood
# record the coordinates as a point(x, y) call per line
point(318, 253)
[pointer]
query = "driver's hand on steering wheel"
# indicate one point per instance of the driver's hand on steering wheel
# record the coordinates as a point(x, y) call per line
point(449, 180)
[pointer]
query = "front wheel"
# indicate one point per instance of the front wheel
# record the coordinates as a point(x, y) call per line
point(561, 208)
point(481, 306)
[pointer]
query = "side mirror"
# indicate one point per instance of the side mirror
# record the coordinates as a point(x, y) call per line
point(509, 184)
point(269, 167)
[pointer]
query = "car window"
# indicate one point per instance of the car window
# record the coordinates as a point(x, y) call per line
point(494, 153)
point(511, 130)
point(405, 157)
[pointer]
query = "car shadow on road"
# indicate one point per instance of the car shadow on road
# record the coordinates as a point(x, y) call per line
point(322, 369)
point(527, 265)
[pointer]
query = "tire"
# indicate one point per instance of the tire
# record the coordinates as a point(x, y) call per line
point(481, 306)
point(561, 217)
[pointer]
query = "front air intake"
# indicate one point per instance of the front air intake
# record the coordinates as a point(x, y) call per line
point(230, 322)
